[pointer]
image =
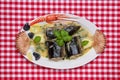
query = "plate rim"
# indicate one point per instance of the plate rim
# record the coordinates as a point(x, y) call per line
point(68, 67)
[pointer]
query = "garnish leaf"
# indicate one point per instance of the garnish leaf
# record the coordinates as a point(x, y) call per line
point(62, 36)
point(60, 42)
point(64, 33)
point(37, 39)
point(84, 43)
point(57, 33)
point(67, 38)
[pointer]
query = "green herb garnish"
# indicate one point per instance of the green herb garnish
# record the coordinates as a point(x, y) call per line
point(64, 33)
point(67, 38)
point(62, 36)
point(57, 34)
point(39, 47)
point(60, 42)
point(37, 39)
point(84, 43)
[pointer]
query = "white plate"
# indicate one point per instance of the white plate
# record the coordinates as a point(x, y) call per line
point(80, 61)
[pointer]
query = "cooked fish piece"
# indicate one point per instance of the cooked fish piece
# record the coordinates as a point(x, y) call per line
point(73, 48)
point(49, 32)
point(71, 29)
point(55, 52)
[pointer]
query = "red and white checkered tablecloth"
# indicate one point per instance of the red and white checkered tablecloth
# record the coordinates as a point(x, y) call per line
point(15, 13)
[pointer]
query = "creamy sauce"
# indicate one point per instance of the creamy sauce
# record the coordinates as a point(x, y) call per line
point(86, 35)
point(39, 30)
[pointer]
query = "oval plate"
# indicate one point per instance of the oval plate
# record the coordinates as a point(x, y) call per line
point(80, 61)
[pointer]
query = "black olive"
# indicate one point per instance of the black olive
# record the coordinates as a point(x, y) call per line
point(26, 27)
point(30, 34)
point(36, 55)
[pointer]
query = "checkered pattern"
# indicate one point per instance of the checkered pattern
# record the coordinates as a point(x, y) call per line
point(13, 15)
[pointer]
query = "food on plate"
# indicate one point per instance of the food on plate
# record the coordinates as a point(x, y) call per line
point(36, 55)
point(26, 27)
point(61, 41)
point(72, 29)
point(55, 52)
point(31, 35)
point(73, 48)
point(57, 39)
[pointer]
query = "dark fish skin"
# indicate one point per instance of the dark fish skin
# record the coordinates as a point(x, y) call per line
point(71, 29)
point(73, 47)
point(54, 50)
point(49, 33)
point(70, 49)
